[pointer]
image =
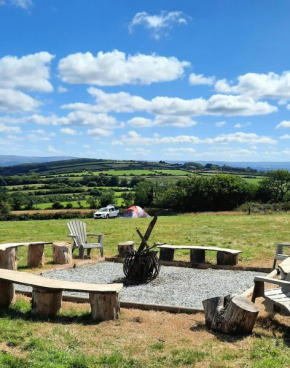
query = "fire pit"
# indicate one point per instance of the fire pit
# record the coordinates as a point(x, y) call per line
point(143, 265)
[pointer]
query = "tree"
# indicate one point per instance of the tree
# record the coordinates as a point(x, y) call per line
point(276, 186)
point(4, 204)
point(128, 198)
point(107, 197)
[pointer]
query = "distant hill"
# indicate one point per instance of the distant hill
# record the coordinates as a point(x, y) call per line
point(10, 160)
point(260, 166)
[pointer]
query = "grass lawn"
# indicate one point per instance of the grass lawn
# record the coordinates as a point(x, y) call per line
point(139, 338)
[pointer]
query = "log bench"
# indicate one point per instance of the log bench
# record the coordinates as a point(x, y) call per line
point(197, 253)
point(8, 254)
point(278, 299)
point(47, 294)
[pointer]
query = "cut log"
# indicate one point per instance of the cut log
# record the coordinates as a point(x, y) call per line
point(226, 259)
point(104, 307)
point(197, 255)
point(126, 248)
point(166, 254)
point(35, 256)
point(62, 253)
point(7, 293)
point(235, 316)
point(8, 259)
point(45, 302)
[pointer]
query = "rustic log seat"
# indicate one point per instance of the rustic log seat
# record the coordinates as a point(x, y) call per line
point(197, 253)
point(47, 294)
point(278, 299)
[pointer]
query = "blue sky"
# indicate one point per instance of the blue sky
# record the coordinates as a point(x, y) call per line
point(178, 80)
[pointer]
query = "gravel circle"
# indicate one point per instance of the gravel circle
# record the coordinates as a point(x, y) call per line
point(176, 286)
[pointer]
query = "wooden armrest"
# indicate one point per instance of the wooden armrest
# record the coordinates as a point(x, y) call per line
point(92, 234)
point(284, 244)
point(269, 280)
point(72, 236)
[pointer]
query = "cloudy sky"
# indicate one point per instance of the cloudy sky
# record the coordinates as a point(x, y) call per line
point(150, 80)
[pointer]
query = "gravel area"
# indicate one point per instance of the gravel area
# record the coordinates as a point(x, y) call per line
point(176, 286)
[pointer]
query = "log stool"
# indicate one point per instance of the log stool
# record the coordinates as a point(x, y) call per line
point(125, 248)
point(35, 255)
point(62, 253)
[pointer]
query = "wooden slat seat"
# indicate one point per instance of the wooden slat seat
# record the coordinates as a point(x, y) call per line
point(278, 298)
point(225, 256)
point(284, 268)
point(47, 293)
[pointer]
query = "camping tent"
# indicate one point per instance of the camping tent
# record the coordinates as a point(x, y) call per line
point(135, 212)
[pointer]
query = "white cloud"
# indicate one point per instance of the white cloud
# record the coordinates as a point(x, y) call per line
point(29, 72)
point(220, 124)
point(68, 131)
point(258, 86)
point(285, 136)
point(173, 151)
point(196, 79)
point(158, 23)
point(15, 101)
point(138, 151)
point(115, 68)
point(51, 149)
point(215, 105)
point(7, 129)
point(238, 125)
point(62, 89)
point(24, 4)
point(99, 132)
point(283, 124)
point(133, 138)
point(161, 121)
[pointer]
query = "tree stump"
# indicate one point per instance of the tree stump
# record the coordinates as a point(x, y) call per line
point(166, 254)
point(7, 293)
point(62, 253)
point(126, 248)
point(8, 259)
point(45, 302)
point(197, 255)
point(235, 316)
point(226, 259)
point(104, 307)
point(35, 256)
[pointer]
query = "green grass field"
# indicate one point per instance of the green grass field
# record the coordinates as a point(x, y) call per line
point(142, 339)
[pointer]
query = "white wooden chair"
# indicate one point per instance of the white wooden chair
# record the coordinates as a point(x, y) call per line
point(79, 234)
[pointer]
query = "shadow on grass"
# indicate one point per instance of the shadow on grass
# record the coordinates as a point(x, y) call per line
point(275, 326)
point(16, 312)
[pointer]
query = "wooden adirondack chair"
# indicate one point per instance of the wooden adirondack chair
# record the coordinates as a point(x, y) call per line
point(79, 234)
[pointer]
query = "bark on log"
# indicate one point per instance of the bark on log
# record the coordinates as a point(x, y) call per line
point(235, 316)
point(104, 307)
point(125, 248)
point(36, 256)
point(166, 254)
point(46, 302)
point(62, 253)
point(197, 255)
point(227, 259)
point(7, 293)
point(8, 259)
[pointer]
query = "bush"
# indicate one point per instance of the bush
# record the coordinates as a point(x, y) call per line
point(57, 206)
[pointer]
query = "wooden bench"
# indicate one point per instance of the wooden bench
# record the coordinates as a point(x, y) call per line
point(197, 253)
point(47, 294)
point(278, 298)
point(8, 254)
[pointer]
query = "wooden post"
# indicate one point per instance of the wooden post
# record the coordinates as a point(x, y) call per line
point(125, 248)
point(35, 256)
point(8, 258)
point(235, 316)
point(226, 259)
point(197, 255)
point(104, 307)
point(7, 293)
point(166, 254)
point(45, 302)
point(62, 253)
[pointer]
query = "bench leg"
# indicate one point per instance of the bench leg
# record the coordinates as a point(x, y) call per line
point(7, 293)
point(166, 254)
point(8, 259)
point(197, 255)
point(227, 259)
point(46, 302)
point(104, 307)
point(36, 256)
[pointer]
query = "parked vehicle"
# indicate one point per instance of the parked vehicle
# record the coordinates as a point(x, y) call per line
point(106, 212)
